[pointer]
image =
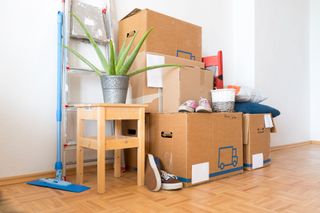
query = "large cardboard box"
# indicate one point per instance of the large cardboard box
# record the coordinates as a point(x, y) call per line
point(178, 84)
point(170, 36)
point(256, 143)
point(198, 147)
point(129, 128)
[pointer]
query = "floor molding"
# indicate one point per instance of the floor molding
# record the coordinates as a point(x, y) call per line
point(71, 171)
point(48, 174)
point(315, 142)
point(287, 146)
point(25, 178)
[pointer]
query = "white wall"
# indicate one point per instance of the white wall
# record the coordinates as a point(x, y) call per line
point(270, 33)
point(282, 72)
point(27, 86)
point(243, 72)
point(315, 69)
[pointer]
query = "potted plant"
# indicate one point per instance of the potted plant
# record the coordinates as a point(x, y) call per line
point(115, 74)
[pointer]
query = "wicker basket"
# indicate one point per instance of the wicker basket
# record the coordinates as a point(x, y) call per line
point(223, 100)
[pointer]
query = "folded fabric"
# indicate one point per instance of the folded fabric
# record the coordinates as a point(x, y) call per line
point(255, 108)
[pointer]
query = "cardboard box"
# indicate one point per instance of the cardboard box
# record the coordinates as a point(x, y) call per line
point(256, 143)
point(198, 147)
point(170, 36)
point(129, 128)
point(177, 85)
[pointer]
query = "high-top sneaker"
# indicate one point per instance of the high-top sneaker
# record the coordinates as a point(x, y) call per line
point(152, 177)
point(170, 181)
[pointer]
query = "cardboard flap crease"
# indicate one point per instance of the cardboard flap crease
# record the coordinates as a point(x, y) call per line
point(133, 12)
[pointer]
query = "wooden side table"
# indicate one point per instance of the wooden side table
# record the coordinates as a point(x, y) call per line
point(101, 143)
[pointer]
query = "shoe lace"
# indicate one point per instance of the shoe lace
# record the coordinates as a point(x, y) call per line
point(165, 175)
point(204, 101)
point(189, 103)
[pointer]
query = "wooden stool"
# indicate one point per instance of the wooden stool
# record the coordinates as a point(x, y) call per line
point(101, 113)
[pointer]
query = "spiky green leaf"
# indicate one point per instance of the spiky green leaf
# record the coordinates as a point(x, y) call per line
point(112, 70)
point(123, 47)
point(135, 72)
point(124, 55)
point(87, 62)
point(101, 56)
point(125, 68)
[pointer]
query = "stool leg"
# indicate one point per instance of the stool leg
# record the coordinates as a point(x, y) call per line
point(117, 163)
point(80, 128)
point(79, 164)
point(101, 173)
point(117, 152)
point(141, 148)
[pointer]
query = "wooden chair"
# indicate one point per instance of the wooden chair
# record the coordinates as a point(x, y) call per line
point(217, 62)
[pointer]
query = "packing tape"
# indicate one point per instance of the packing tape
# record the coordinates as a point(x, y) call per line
point(249, 165)
point(214, 174)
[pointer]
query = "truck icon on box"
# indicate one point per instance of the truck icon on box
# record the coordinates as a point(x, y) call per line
point(227, 151)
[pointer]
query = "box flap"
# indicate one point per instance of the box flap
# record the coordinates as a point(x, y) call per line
point(169, 59)
point(133, 12)
point(274, 128)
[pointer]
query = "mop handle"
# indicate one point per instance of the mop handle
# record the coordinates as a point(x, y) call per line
point(59, 68)
point(58, 165)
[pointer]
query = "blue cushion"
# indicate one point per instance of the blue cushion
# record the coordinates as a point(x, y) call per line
point(255, 108)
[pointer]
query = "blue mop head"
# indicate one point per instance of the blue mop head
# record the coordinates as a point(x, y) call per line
point(59, 184)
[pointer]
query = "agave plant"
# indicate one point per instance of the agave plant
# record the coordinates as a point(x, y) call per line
point(117, 64)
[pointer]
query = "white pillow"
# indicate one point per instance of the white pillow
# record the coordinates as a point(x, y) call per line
point(248, 94)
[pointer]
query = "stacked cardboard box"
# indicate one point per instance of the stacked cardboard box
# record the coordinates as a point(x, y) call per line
point(197, 147)
point(170, 36)
point(166, 89)
point(256, 140)
point(172, 42)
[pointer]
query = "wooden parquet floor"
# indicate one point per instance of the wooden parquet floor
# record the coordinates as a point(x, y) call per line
point(290, 184)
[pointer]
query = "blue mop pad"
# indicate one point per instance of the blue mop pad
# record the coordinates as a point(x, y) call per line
point(62, 185)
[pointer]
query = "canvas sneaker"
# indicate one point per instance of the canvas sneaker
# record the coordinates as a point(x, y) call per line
point(204, 105)
point(170, 181)
point(152, 177)
point(188, 106)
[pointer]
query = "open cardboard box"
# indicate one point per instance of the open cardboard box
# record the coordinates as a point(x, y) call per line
point(165, 89)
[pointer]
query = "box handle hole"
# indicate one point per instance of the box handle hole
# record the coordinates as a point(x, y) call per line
point(130, 34)
point(166, 134)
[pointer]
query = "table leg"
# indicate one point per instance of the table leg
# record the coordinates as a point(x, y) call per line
point(141, 148)
point(101, 173)
point(117, 152)
point(79, 169)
